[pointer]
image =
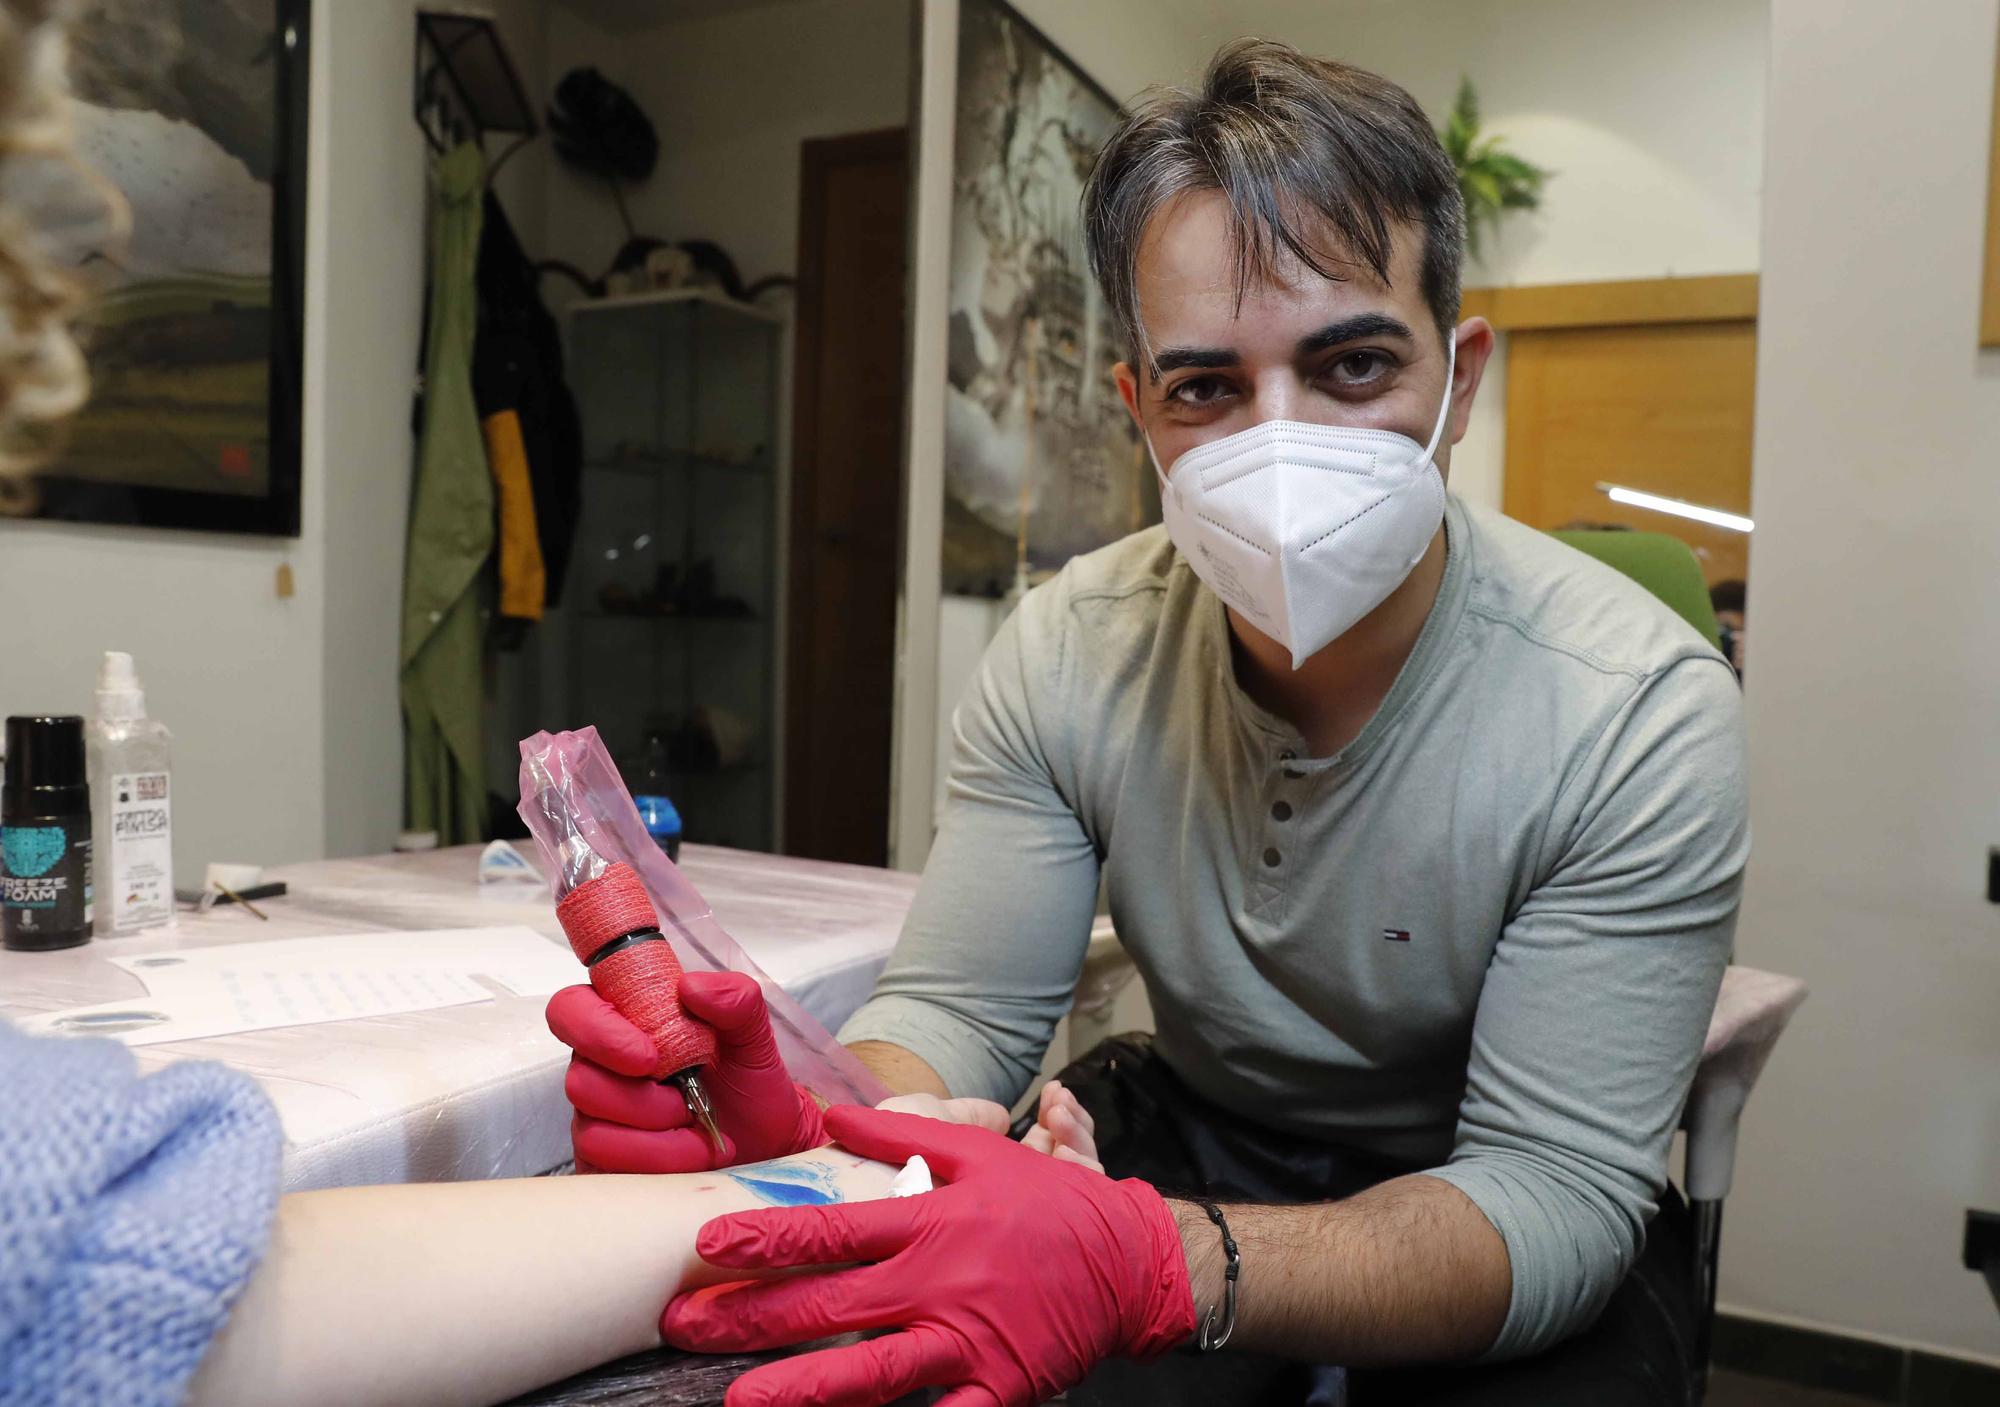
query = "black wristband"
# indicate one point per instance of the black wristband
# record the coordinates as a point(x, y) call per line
point(1212, 1338)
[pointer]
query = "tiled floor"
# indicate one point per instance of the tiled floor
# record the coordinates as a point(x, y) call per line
point(1727, 1389)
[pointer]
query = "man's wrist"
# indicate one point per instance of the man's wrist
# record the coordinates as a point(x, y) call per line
point(1201, 1244)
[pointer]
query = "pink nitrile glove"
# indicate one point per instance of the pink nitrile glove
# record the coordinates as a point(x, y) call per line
point(1009, 1283)
point(628, 1122)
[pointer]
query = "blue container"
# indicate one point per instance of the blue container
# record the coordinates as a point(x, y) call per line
point(663, 823)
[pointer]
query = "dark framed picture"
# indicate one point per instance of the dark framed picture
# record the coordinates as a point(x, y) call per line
point(195, 110)
point(1041, 459)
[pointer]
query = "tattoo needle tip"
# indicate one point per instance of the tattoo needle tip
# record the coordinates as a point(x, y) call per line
point(703, 1111)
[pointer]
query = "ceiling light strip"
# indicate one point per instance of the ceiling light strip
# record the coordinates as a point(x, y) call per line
point(1679, 508)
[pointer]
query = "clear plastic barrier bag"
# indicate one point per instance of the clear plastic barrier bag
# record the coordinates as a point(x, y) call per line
point(583, 821)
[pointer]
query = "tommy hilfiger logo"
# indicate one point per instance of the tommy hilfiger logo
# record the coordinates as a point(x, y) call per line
point(1395, 935)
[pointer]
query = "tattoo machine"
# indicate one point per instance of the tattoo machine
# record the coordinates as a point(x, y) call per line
point(617, 893)
point(615, 932)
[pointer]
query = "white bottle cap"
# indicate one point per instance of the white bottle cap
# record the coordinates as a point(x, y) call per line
point(119, 695)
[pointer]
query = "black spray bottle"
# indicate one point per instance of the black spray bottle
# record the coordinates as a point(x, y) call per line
point(45, 899)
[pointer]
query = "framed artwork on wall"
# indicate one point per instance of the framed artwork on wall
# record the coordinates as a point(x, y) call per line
point(195, 111)
point(1041, 460)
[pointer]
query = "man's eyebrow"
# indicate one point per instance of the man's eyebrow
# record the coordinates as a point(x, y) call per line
point(1352, 329)
point(1333, 334)
point(1180, 358)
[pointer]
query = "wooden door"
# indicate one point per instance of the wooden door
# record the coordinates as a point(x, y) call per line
point(1665, 408)
point(847, 450)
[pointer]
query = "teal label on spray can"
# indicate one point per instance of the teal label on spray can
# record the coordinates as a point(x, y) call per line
point(45, 898)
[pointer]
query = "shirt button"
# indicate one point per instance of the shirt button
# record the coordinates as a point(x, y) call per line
point(1282, 811)
point(1271, 859)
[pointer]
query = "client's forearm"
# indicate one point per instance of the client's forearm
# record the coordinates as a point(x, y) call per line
point(474, 1292)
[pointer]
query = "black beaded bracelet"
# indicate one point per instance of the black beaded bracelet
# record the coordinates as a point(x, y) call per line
point(1211, 1338)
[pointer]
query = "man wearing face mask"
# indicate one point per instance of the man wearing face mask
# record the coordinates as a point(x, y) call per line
point(1425, 833)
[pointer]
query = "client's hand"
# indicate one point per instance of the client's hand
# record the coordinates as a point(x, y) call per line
point(1011, 1280)
point(1063, 1127)
point(980, 1113)
point(627, 1122)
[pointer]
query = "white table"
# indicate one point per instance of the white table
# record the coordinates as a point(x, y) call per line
point(468, 1091)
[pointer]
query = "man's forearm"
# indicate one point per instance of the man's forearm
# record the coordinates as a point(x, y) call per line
point(1407, 1272)
point(903, 1071)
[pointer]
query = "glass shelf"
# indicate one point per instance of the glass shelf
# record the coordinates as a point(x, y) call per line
point(685, 777)
point(679, 506)
point(648, 618)
point(652, 462)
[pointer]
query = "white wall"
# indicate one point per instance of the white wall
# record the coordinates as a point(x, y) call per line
point(926, 692)
point(1651, 116)
point(732, 93)
point(364, 314)
point(232, 669)
point(1129, 45)
point(1874, 692)
point(284, 711)
point(1477, 472)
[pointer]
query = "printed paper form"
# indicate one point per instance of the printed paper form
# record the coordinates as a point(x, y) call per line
point(218, 991)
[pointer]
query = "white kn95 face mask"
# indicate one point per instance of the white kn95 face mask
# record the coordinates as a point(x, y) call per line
point(1306, 528)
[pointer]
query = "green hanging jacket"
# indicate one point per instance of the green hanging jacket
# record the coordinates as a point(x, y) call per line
point(451, 532)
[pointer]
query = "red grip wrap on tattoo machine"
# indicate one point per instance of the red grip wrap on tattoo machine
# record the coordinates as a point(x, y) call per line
point(642, 980)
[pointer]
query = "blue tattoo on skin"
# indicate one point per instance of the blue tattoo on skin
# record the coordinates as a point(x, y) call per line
point(787, 1184)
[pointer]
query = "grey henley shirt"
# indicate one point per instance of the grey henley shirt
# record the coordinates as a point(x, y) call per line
point(1486, 936)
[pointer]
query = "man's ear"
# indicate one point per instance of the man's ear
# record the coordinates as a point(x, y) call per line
point(1475, 344)
point(1128, 392)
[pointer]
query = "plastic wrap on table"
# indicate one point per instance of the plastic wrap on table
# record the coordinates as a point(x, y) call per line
point(446, 1094)
point(471, 1091)
point(576, 806)
point(373, 1101)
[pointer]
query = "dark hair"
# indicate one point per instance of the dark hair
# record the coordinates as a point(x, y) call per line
point(1731, 595)
point(1290, 141)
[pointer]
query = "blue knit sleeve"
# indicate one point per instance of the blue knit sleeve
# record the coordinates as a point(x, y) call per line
point(132, 1211)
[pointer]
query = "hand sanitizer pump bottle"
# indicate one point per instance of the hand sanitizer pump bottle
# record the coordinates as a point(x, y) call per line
point(131, 797)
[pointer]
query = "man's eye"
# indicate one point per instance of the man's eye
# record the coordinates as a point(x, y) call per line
point(1198, 390)
point(1359, 368)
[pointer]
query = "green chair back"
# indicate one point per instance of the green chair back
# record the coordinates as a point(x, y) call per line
point(1664, 565)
